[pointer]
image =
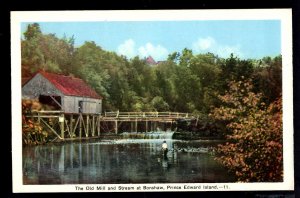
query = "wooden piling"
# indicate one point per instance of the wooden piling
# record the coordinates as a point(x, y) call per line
point(93, 126)
point(76, 124)
point(51, 128)
point(98, 125)
point(62, 126)
point(71, 126)
point(87, 126)
point(136, 125)
point(116, 126)
point(80, 125)
point(68, 128)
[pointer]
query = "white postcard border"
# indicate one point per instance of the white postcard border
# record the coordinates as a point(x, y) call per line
point(284, 15)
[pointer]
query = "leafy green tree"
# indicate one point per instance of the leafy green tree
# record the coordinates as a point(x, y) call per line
point(254, 147)
point(206, 68)
point(46, 51)
point(159, 104)
point(174, 57)
point(234, 69)
point(87, 65)
point(141, 81)
point(188, 89)
point(185, 57)
point(33, 31)
point(32, 56)
point(162, 83)
point(268, 78)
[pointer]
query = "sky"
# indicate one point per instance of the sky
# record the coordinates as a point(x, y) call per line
point(244, 38)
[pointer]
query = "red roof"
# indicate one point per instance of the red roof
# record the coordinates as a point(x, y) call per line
point(71, 86)
point(150, 60)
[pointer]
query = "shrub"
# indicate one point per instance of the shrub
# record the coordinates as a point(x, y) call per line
point(254, 148)
point(32, 131)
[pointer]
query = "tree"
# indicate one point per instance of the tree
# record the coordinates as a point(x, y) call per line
point(185, 58)
point(268, 78)
point(254, 145)
point(174, 57)
point(187, 89)
point(234, 69)
point(88, 66)
point(46, 51)
point(159, 104)
point(33, 31)
point(208, 71)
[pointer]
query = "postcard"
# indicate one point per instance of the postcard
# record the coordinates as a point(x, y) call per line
point(152, 101)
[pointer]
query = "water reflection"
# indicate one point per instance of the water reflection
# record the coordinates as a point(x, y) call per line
point(122, 161)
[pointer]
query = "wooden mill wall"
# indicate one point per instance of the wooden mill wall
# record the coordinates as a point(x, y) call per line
point(37, 86)
point(90, 105)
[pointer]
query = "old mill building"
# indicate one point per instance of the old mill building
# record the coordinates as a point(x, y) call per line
point(66, 93)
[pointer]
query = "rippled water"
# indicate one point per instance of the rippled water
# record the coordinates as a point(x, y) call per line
point(122, 161)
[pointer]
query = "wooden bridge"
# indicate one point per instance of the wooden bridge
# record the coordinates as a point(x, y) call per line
point(153, 116)
point(80, 126)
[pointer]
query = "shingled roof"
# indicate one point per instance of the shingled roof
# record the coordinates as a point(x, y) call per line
point(150, 60)
point(70, 86)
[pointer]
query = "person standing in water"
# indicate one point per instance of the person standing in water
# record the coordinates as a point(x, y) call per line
point(164, 148)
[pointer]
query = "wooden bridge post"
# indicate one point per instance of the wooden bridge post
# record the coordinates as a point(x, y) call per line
point(93, 126)
point(87, 126)
point(80, 125)
point(154, 126)
point(116, 126)
point(131, 126)
point(98, 125)
point(71, 126)
point(62, 125)
point(146, 126)
point(136, 125)
point(164, 126)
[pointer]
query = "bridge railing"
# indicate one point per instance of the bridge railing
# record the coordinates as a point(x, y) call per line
point(117, 114)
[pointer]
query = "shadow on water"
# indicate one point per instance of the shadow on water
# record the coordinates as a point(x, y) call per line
point(131, 160)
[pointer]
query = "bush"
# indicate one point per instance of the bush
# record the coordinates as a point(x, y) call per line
point(254, 148)
point(32, 131)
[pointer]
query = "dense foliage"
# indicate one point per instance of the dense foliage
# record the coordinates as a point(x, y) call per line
point(32, 131)
point(254, 151)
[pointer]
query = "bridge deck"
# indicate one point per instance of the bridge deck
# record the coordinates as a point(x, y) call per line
point(143, 116)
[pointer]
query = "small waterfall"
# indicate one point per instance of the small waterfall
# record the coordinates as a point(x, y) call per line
point(148, 135)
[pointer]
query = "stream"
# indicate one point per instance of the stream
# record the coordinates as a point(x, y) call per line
point(135, 158)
